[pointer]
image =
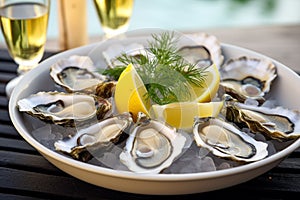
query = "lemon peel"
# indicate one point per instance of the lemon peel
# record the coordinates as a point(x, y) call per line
point(209, 88)
point(181, 115)
point(131, 93)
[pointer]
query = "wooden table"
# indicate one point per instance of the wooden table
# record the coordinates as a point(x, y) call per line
point(25, 174)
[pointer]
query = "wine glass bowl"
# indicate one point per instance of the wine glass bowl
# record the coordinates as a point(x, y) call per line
point(24, 27)
point(114, 15)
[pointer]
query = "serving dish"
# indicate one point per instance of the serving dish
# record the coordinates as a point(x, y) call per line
point(39, 80)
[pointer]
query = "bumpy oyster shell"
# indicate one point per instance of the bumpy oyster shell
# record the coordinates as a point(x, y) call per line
point(105, 89)
point(96, 139)
point(112, 52)
point(151, 146)
point(225, 140)
point(64, 108)
point(277, 123)
point(205, 51)
point(76, 74)
point(245, 78)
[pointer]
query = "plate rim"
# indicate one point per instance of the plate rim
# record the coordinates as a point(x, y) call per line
point(127, 174)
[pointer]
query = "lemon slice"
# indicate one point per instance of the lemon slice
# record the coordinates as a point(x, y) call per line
point(131, 93)
point(181, 115)
point(210, 87)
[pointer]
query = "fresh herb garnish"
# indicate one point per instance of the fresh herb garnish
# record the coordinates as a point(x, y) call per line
point(166, 74)
point(115, 72)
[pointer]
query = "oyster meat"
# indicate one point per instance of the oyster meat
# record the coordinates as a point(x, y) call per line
point(205, 51)
point(277, 123)
point(244, 78)
point(76, 74)
point(225, 140)
point(151, 146)
point(64, 108)
point(94, 140)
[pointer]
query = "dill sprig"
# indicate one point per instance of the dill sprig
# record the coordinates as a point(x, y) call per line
point(166, 74)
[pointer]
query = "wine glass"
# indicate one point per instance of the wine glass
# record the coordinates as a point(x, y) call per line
point(24, 26)
point(114, 15)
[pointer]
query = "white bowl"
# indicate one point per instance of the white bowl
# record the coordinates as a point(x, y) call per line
point(284, 90)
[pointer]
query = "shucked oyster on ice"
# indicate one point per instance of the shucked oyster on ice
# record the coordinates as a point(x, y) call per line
point(151, 146)
point(96, 139)
point(225, 140)
point(111, 54)
point(205, 51)
point(76, 74)
point(277, 123)
point(64, 108)
point(244, 78)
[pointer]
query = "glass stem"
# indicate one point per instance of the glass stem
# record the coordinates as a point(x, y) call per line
point(22, 69)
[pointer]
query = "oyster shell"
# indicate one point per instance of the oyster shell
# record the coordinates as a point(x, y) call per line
point(105, 89)
point(76, 74)
point(206, 51)
point(244, 78)
point(96, 139)
point(225, 140)
point(151, 146)
point(113, 51)
point(64, 108)
point(277, 123)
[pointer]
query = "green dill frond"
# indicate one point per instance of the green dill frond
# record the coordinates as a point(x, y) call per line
point(114, 73)
point(166, 74)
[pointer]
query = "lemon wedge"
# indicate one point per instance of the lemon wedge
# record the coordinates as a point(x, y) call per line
point(131, 93)
point(209, 88)
point(181, 115)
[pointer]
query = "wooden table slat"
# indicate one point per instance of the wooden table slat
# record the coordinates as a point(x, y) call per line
point(8, 67)
point(16, 145)
point(18, 196)
point(9, 131)
point(3, 102)
point(28, 162)
point(4, 116)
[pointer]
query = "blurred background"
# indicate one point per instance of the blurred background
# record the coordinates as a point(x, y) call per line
point(186, 15)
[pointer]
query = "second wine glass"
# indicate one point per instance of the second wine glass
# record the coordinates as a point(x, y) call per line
point(24, 26)
point(114, 15)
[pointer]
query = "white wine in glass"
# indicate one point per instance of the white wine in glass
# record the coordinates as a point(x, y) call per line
point(24, 26)
point(114, 15)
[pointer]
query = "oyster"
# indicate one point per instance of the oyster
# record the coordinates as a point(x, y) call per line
point(277, 123)
point(205, 52)
point(94, 140)
point(112, 52)
point(225, 140)
point(105, 89)
point(245, 78)
point(64, 108)
point(151, 146)
point(76, 74)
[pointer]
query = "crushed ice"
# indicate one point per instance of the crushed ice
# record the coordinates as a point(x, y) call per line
point(193, 159)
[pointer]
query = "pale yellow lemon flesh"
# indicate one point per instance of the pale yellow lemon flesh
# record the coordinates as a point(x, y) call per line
point(210, 87)
point(131, 93)
point(181, 115)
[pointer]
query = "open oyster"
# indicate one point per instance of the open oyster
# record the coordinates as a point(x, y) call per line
point(76, 73)
point(105, 89)
point(151, 146)
point(225, 140)
point(96, 139)
point(276, 123)
point(64, 108)
point(245, 78)
point(112, 52)
point(205, 51)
